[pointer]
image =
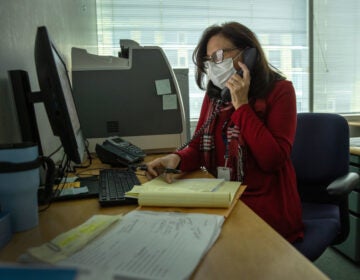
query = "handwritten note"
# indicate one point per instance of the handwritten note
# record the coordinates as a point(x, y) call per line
point(151, 245)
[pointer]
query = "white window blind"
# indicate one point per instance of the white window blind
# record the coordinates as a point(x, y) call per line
point(176, 26)
point(336, 56)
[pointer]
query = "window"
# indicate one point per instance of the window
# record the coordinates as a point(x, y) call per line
point(176, 26)
point(336, 56)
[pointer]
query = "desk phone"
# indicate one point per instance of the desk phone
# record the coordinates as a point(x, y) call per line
point(119, 152)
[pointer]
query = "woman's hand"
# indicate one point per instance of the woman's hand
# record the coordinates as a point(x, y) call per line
point(155, 167)
point(239, 87)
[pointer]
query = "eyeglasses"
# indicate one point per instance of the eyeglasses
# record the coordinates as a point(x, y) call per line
point(218, 56)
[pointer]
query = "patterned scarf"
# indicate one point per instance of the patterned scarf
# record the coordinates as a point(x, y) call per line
point(207, 143)
point(236, 145)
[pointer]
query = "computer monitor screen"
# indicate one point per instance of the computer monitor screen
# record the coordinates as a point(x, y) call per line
point(56, 93)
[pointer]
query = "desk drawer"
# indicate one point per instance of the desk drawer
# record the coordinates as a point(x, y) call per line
point(351, 246)
point(354, 202)
point(354, 168)
point(354, 159)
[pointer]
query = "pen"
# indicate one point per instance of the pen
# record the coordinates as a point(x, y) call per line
point(166, 170)
point(172, 170)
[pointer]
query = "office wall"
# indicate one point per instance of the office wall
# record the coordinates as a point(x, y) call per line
point(69, 22)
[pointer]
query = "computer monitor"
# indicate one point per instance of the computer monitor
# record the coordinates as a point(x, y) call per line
point(56, 94)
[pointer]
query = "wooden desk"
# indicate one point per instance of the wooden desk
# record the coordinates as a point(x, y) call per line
point(247, 247)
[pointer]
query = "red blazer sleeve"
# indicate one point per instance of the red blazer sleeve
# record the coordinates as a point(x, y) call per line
point(270, 140)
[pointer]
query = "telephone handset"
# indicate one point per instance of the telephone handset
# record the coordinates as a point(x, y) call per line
point(250, 55)
point(249, 60)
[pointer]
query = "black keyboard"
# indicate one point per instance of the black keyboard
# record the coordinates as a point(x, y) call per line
point(113, 183)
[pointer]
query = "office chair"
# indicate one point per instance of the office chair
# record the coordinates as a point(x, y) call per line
point(321, 159)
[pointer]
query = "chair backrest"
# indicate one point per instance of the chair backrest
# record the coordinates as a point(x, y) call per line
point(320, 152)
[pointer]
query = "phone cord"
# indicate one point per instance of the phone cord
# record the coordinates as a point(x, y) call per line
point(204, 126)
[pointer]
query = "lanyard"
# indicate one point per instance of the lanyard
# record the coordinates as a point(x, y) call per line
point(226, 142)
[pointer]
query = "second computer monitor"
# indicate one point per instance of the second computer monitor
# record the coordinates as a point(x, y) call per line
point(56, 93)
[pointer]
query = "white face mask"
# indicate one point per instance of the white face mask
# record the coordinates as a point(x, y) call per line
point(220, 73)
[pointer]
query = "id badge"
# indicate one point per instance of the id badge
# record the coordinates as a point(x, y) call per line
point(223, 173)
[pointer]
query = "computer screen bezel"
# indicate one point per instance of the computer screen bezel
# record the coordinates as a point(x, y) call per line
point(53, 94)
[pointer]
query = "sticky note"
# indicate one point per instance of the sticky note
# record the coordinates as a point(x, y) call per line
point(68, 185)
point(163, 87)
point(169, 102)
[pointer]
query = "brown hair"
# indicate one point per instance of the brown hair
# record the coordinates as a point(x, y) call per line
point(263, 74)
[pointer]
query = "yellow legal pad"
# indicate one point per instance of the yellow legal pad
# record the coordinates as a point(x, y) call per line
point(205, 195)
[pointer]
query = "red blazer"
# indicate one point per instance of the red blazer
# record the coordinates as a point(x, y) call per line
point(269, 174)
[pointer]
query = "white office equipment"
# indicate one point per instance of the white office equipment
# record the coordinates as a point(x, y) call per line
point(135, 96)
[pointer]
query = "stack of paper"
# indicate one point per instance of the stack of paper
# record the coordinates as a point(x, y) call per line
point(150, 245)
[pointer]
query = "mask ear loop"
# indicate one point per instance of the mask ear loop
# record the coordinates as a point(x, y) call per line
point(204, 126)
point(240, 53)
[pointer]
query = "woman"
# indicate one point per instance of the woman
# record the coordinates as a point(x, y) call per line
point(249, 138)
